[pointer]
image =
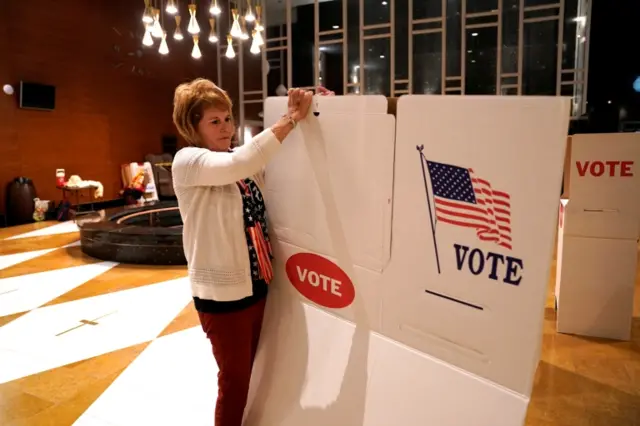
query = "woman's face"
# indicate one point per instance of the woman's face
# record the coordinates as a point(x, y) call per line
point(216, 129)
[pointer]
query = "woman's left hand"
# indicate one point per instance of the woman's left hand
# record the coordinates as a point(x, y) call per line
point(323, 91)
point(299, 103)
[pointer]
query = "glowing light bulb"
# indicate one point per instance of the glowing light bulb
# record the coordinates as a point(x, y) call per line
point(171, 7)
point(230, 53)
point(157, 31)
point(236, 31)
point(164, 47)
point(195, 52)
point(215, 9)
point(147, 16)
point(213, 37)
point(193, 27)
point(147, 40)
point(257, 37)
point(255, 47)
point(177, 35)
point(249, 16)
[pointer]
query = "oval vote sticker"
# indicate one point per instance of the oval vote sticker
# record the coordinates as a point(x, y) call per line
point(320, 280)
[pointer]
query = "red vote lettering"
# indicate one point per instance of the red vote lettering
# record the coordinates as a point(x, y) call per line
point(599, 168)
point(625, 168)
point(320, 280)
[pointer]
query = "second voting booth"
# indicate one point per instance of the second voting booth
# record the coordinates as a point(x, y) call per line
point(412, 261)
point(598, 231)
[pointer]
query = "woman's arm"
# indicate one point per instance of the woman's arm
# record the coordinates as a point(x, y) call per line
point(283, 127)
point(201, 167)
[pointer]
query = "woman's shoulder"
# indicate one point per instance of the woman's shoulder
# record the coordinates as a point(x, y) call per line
point(186, 155)
point(188, 151)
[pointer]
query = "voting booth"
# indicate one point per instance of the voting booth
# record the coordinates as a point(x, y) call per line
point(412, 255)
point(566, 185)
point(597, 237)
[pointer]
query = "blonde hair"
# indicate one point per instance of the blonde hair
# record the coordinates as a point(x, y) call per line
point(189, 102)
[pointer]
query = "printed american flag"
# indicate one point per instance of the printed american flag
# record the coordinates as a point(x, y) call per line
point(463, 199)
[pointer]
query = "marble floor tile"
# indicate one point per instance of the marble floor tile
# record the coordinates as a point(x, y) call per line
point(54, 336)
point(60, 228)
point(172, 382)
point(26, 292)
point(13, 259)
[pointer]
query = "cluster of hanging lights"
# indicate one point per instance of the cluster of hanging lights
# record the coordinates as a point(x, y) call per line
point(153, 20)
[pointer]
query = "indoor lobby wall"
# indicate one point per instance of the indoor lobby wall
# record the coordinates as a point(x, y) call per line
point(113, 96)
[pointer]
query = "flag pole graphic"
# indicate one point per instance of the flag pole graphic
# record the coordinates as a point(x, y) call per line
point(420, 148)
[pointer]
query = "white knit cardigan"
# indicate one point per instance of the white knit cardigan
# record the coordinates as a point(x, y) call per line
point(210, 204)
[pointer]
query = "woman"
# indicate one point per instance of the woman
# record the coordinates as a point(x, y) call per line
point(226, 241)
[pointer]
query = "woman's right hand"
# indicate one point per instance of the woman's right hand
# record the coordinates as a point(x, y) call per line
point(299, 103)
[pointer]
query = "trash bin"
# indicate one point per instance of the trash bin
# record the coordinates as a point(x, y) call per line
point(20, 195)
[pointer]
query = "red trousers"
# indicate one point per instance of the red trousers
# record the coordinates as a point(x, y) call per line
point(234, 337)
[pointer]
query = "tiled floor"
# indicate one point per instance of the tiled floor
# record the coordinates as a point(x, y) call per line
point(91, 375)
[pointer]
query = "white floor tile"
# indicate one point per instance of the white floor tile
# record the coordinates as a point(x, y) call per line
point(20, 361)
point(60, 228)
point(13, 259)
point(123, 318)
point(27, 292)
point(95, 421)
point(173, 382)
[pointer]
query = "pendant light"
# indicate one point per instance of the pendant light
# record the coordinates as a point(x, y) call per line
point(164, 47)
point(244, 35)
point(193, 27)
point(215, 9)
point(213, 37)
point(147, 16)
point(147, 40)
point(259, 26)
point(177, 35)
point(172, 8)
point(257, 37)
point(157, 31)
point(196, 53)
point(249, 16)
point(255, 47)
point(236, 31)
point(230, 53)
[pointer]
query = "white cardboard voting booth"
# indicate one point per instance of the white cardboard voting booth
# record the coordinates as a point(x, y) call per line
point(412, 259)
point(597, 238)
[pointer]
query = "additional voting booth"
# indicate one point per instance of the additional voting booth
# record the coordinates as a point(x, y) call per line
point(597, 238)
point(412, 261)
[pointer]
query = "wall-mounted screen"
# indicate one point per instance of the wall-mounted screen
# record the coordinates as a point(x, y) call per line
point(37, 96)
